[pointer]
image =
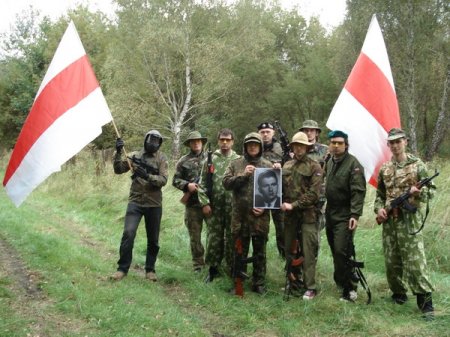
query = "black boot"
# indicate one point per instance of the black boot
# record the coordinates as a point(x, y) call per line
point(425, 304)
point(212, 274)
point(399, 298)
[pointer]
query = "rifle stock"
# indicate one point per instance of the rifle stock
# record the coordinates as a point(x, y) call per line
point(295, 259)
point(240, 262)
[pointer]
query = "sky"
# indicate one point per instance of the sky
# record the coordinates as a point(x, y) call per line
point(330, 12)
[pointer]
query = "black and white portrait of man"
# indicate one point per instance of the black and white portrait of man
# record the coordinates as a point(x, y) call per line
point(267, 190)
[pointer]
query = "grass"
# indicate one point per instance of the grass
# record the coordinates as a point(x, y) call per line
point(67, 234)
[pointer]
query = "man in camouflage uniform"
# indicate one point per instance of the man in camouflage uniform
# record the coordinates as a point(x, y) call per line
point(302, 181)
point(150, 172)
point(187, 178)
point(273, 152)
point(403, 253)
point(318, 152)
point(217, 207)
point(345, 190)
point(248, 223)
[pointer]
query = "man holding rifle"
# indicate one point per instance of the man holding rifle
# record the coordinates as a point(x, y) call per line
point(150, 172)
point(216, 205)
point(187, 178)
point(402, 242)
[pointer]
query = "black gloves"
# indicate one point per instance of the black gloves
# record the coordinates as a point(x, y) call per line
point(119, 145)
point(140, 172)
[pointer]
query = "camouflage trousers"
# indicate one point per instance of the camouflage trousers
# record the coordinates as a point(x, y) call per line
point(193, 219)
point(278, 221)
point(308, 236)
point(219, 243)
point(259, 253)
point(404, 257)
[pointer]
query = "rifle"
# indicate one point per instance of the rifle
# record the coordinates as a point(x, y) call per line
point(284, 141)
point(402, 201)
point(148, 168)
point(239, 274)
point(209, 174)
point(292, 282)
point(184, 199)
point(357, 274)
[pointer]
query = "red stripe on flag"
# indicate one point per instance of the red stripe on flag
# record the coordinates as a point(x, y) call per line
point(371, 88)
point(62, 93)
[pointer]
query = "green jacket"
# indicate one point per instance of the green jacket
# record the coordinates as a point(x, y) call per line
point(220, 195)
point(396, 178)
point(318, 152)
point(242, 201)
point(188, 170)
point(302, 181)
point(146, 193)
point(345, 188)
point(273, 152)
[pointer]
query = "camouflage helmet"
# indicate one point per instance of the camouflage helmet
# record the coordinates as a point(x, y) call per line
point(300, 138)
point(310, 124)
point(195, 135)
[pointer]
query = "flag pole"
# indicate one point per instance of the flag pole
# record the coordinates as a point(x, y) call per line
point(118, 136)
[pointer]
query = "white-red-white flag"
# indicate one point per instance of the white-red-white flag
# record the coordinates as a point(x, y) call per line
point(367, 107)
point(68, 112)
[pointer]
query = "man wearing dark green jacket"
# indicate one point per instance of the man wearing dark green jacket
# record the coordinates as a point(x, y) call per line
point(345, 190)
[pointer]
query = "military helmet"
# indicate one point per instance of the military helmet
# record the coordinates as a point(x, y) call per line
point(310, 124)
point(300, 138)
point(195, 135)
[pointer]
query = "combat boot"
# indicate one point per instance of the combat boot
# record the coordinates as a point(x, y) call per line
point(425, 304)
point(212, 274)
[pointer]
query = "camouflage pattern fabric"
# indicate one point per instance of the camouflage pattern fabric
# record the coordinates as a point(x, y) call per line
point(404, 253)
point(189, 169)
point(219, 243)
point(145, 193)
point(318, 152)
point(244, 223)
point(302, 181)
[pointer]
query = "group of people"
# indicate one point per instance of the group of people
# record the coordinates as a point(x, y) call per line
point(322, 186)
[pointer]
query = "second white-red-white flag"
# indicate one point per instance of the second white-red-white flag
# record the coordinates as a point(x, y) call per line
point(68, 112)
point(367, 107)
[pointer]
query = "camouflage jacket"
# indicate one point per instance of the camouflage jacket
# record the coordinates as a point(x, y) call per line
point(220, 196)
point(345, 188)
point(273, 152)
point(302, 181)
point(242, 203)
point(188, 170)
point(318, 152)
point(396, 178)
point(146, 193)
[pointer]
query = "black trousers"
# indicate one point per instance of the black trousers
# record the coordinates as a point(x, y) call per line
point(133, 216)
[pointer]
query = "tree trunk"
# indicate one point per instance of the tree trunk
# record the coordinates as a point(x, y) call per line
point(442, 123)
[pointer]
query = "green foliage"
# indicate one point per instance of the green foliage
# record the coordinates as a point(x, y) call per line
point(67, 235)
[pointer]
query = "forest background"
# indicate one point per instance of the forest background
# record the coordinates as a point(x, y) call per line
point(182, 65)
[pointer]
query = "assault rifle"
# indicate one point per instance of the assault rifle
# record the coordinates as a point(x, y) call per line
point(357, 274)
point(292, 282)
point(148, 168)
point(239, 268)
point(209, 174)
point(402, 201)
point(284, 141)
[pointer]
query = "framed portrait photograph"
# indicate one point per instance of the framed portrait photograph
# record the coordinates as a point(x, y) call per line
point(267, 188)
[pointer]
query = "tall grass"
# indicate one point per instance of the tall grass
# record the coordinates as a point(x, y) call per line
point(68, 232)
